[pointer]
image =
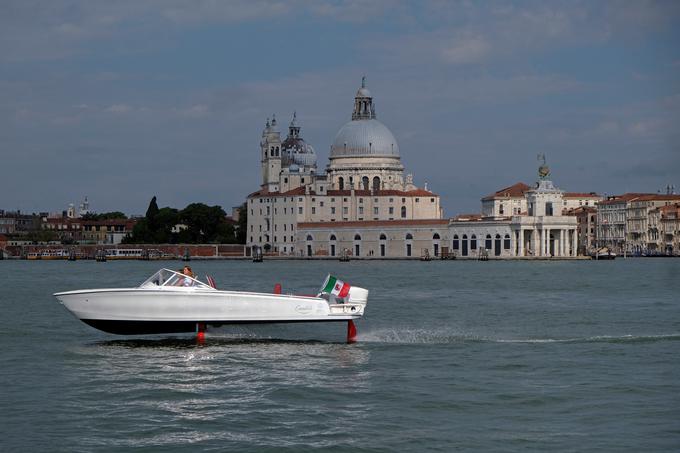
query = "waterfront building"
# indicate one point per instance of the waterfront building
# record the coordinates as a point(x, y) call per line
point(363, 182)
point(623, 221)
point(518, 221)
point(664, 224)
point(643, 236)
point(586, 219)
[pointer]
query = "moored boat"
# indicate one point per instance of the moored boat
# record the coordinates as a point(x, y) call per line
point(171, 302)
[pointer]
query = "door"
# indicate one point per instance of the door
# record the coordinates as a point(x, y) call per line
point(356, 250)
point(382, 249)
point(332, 249)
point(465, 247)
point(497, 247)
point(309, 250)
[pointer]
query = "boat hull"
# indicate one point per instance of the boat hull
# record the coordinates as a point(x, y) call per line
point(141, 311)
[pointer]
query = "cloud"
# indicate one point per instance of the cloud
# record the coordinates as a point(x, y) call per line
point(469, 49)
point(118, 108)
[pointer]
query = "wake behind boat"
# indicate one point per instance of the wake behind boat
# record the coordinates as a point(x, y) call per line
point(171, 302)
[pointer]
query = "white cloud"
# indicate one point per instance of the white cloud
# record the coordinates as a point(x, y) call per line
point(118, 108)
point(469, 49)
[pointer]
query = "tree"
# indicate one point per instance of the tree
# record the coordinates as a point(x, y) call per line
point(242, 226)
point(203, 221)
point(151, 213)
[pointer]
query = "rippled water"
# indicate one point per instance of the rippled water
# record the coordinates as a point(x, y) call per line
point(565, 356)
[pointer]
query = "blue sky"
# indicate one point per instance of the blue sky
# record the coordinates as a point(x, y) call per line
point(120, 101)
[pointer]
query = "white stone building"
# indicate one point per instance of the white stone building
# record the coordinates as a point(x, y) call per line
point(531, 222)
point(363, 182)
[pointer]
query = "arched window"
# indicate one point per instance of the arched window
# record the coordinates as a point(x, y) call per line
point(364, 182)
point(357, 237)
point(403, 212)
point(488, 244)
point(333, 238)
point(376, 183)
point(383, 237)
point(500, 209)
point(341, 183)
point(436, 236)
point(506, 242)
point(309, 237)
point(409, 236)
point(473, 242)
point(455, 242)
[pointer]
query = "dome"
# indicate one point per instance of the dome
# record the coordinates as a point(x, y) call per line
point(294, 149)
point(364, 138)
point(363, 93)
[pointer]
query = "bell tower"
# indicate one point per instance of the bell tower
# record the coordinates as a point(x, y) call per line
point(270, 148)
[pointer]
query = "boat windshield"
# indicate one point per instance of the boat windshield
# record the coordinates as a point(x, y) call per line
point(168, 278)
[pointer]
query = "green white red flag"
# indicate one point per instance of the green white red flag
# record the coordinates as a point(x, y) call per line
point(335, 287)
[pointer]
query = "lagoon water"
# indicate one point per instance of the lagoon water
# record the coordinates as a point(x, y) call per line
point(489, 356)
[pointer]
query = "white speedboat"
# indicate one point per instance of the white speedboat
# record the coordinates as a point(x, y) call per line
point(171, 302)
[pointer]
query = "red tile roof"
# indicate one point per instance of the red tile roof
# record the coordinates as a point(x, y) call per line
point(514, 191)
point(614, 199)
point(373, 223)
point(581, 195)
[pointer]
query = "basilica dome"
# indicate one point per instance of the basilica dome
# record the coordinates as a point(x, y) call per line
point(364, 136)
point(294, 150)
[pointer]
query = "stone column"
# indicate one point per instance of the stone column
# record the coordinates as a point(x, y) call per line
point(562, 241)
point(520, 246)
point(574, 243)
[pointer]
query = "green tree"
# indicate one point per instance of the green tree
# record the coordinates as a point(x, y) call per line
point(203, 222)
point(242, 226)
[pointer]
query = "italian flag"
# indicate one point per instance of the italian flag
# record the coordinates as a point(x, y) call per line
point(335, 287)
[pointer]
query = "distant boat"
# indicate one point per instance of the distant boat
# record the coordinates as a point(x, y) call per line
point(124, 254)
point(603, 253)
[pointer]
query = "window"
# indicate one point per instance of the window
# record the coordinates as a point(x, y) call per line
point(500, 209)
point(431, 200)
point(361, 209)
point(403, 212)
point(383, 237)
point(489, 243)
point(409, 236)
point(403, 200)
point(300, 210)
point(506, 242)
point(361, 200)
point(357, 237)
point(309, 237)
point(285, 180)
point(376, 183)
point(345, 210)
point(333, 210)
point(313, 210)
point(284, 227)
point(341, 183)
point(364, 182)
point(333, 238)
point(417, 200)
point(391, 200)
point(344, 199)
point(375, 210)
point(456, 244)
point(436, 236)
point(548, 209)
point(302, 180)
point(473, 242)
point(391, 210)
point(321, 203)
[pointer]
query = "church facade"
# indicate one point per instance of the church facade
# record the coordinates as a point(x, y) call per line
point(363, 183)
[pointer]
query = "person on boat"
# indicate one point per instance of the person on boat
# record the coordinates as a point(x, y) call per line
point(186, 270)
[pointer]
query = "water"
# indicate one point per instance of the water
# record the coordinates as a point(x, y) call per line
point(494, 356)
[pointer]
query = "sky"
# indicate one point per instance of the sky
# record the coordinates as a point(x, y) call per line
point(121, 101)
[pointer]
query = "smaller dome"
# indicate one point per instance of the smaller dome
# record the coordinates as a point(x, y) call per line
point(294, 168)
point(363, 93)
